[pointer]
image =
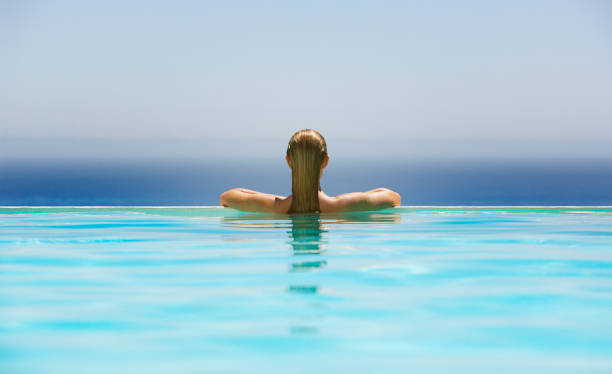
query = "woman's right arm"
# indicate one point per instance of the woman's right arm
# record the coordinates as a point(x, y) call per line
point(379, 198)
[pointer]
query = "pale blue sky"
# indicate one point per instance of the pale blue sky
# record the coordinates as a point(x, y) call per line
point(452, 77)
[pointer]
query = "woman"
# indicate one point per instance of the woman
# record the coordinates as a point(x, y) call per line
point(307, 157)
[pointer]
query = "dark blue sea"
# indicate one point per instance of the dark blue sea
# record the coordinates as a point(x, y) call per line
point(176, 182)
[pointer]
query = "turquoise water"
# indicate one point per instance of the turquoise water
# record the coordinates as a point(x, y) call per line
point(211, 290)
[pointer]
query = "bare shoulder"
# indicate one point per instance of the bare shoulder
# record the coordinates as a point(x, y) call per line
point(341, 203)
point(379, 198)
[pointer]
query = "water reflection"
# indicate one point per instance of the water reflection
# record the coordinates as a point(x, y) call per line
point(237, 219)
point(307, 240)
point(306, 235)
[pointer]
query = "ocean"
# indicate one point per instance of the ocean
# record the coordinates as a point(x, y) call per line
point(194, 182)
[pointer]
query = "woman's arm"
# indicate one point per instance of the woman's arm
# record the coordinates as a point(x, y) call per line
point(252, 201)
point(376, 199)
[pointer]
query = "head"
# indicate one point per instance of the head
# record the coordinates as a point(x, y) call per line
point(307, 157)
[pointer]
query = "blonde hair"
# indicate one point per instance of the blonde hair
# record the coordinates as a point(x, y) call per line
point(306, 151)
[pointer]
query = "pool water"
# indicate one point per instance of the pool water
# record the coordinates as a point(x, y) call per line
point(213, 290)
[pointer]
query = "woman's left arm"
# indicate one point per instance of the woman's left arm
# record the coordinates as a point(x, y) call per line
point(251, 201)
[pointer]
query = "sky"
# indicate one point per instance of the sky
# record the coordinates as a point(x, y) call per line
point(387, 79)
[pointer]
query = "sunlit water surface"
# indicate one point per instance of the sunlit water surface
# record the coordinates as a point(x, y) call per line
point(211, 290)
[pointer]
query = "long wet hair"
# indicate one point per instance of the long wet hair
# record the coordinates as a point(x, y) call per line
point(306, 151)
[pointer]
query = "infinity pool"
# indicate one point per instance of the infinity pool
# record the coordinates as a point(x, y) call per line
point(212, 290)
